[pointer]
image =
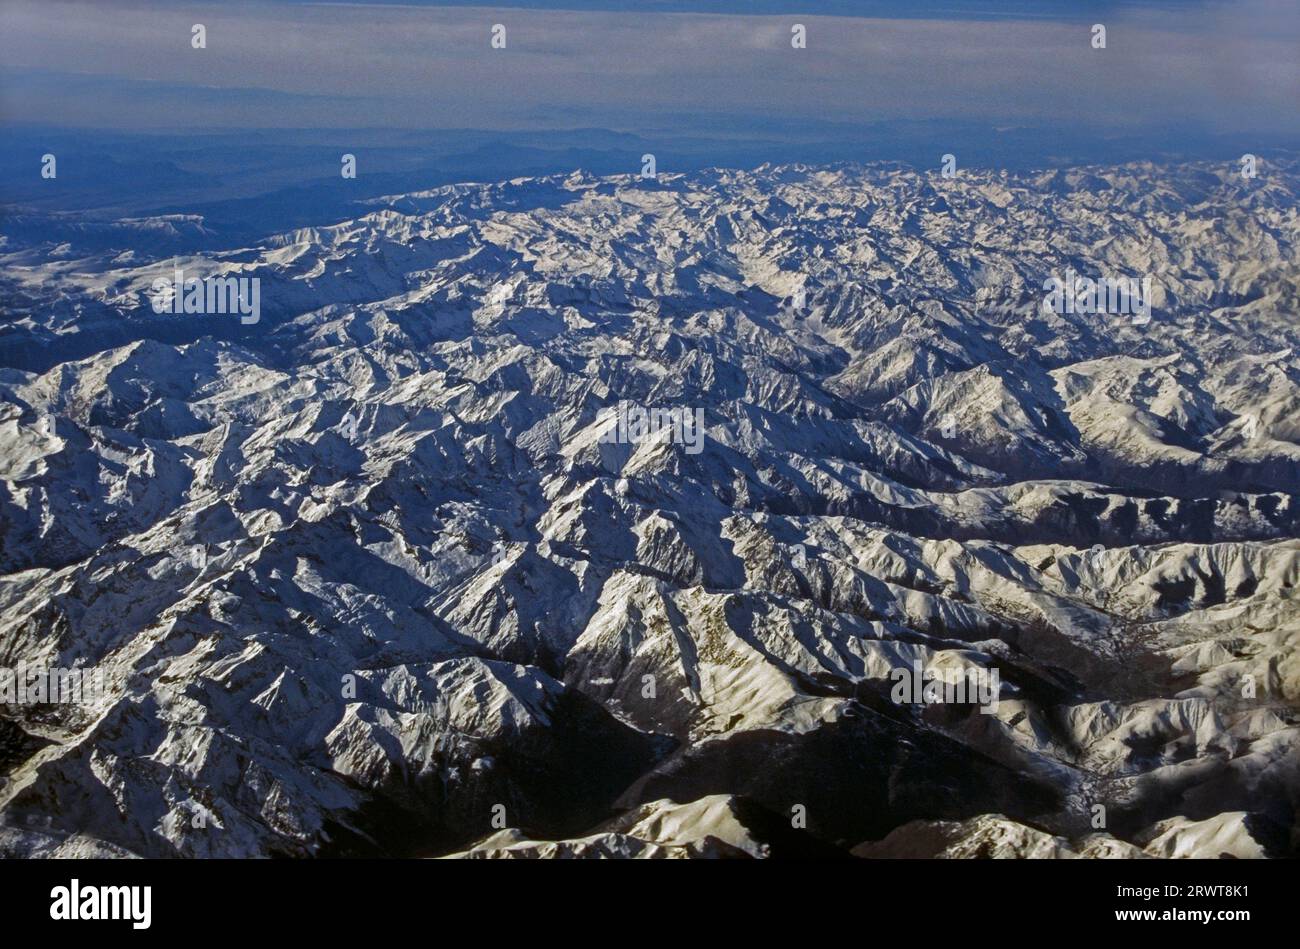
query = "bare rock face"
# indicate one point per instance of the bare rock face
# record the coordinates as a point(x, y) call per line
point(585, 516)
point(991, 836)
point(709, 827)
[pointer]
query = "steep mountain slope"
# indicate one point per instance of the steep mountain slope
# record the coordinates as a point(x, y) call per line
point(385, 572)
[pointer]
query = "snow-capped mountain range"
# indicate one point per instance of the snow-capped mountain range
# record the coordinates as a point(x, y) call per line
point(396, 569)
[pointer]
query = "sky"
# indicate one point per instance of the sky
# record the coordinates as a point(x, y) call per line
point(1227, 67)
point(249, 131)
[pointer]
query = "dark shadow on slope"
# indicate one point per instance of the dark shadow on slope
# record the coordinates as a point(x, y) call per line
point(857, 777)
point(554, 783)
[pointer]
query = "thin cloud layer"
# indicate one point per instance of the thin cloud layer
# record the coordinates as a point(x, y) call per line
point(1225, 67)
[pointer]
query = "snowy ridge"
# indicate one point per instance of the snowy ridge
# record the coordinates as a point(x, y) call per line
point(371, 576)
